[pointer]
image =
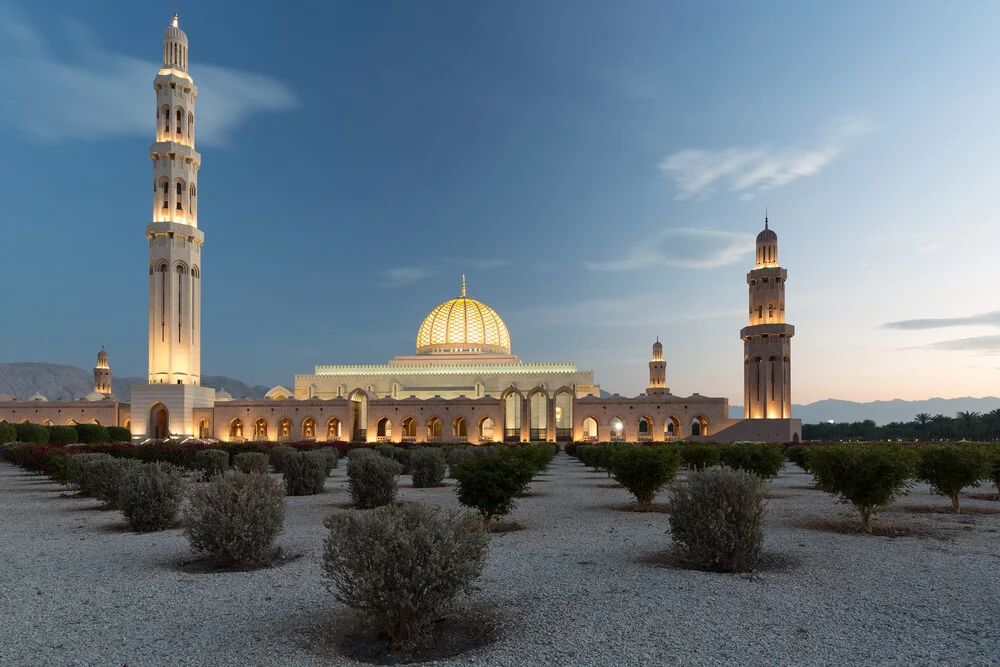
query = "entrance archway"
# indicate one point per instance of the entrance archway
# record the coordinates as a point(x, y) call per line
point(512, 417)
point(159, 423)
point(203, 429)
point(359, 416)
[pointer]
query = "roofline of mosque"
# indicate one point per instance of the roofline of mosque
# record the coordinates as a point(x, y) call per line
point(450, 369)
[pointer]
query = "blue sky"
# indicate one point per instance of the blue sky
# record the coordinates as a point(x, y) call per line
point(598, 171)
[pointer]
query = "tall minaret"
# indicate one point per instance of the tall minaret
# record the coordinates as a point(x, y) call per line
point(102, 374)
point(166, 407)
point(657, 372)
point(767, 342)
point(174, 238)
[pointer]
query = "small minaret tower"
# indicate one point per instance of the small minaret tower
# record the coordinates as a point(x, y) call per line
point(767, 341)
point(657, 372)
point(102, 374)
point(174, 238)
point(165, 407)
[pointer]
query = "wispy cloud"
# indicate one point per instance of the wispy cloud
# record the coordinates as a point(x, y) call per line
point(403, 275)
point(991, 318)
point(86, 92)
point(983, 344)
point(627, 311)
point(683, 247)
point(749, 170)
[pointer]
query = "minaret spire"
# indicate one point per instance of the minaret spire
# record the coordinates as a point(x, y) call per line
point(463, 285)
point(175, 22)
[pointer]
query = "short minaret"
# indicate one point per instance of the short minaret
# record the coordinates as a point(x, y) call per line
point(102, 374)
point(174, 238)
point(767, 342)
point(166, 406)
point(657, 372)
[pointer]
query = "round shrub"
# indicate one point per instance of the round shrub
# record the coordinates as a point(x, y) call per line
point(119, 434)
point(866, 476)
point(150, 496)
point(427, 465)
point(490, 484)
point(305, 473)
point(63, 435)
point(403, 565)
point(332, 458)
point(278, 455)
point(252, 462)
point(107, 476)
point(212, 462)
point(398, 454)
point(236, 517)
point(371, 479)
point(358, 452)
point(699, 457)
point(951, 468)
point(760, 458)
point(8, 432)
point(644, 471)
point(80, 471)
point(716, 517)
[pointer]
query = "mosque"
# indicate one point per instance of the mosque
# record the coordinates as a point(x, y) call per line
point(463, 384)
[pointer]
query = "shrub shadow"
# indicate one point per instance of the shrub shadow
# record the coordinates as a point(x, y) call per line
point(882, 526)
point(947, 509)
point(988, 495)
point(654, 508)
point(468, 627)
point(770, 562)
point(210, 565)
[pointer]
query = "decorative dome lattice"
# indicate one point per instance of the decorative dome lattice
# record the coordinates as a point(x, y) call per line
point(463, 325)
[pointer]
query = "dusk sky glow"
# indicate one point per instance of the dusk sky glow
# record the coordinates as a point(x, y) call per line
point(597, 170)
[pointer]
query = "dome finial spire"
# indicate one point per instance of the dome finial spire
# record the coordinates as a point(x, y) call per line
point(175, 23)
point(765, 217)
point(463, 285)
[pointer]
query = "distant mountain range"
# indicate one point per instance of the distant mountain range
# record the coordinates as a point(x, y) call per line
point(881, 412)
point(55, 381)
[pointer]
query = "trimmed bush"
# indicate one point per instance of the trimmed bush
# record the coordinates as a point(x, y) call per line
point(107, 477)
point(951, 468)
point(402, 566)
point(8, 433)
point(371, 479)
point(760, 458)
point(332, 458)
point(212, 462)
point(427, 465)
point(540, 455)
point(236, 517)
point(33, 433)
point(119, 434)
point(63, 435)
point(305, 473)
point(278, 455)
point(55, 463)
point(490, 484)
point(80, 471)
point(150, 496)
point(358, 452)
point(866, 476)
point(644, 471)
point(252, 462)
point(699, 457)
point(716, 516)
point(398, 454)
point(92, 434)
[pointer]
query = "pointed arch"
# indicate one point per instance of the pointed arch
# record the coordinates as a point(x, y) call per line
point(284, 428)
point(590, 430)
point(333, 429)
point(564, 414)
point(486, 429)
point(460, 429)
point(309, 429)
point(260, 429)
point(384, 429)
point(433, 429)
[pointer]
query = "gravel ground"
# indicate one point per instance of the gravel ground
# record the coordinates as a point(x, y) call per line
point(577, 586)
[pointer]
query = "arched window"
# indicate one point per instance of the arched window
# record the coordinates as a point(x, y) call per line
point(180, 195)
point(460, 429)
point(165, 186)
point(191, 125)
point(538, 408)
point(260, 429)
point(384, 428)
point(617, 429)
point(203, 431)
point(486, 429)
point(434, 428)
point(193, 192)
point(643, 428)
point(760, 312)
point(590, 429)
point(166, 118)
point(770, 310)
point(285, 428)
point(409, 428)
point(180, 121)
point(333, 429)
point(512, 417)
point(309, 428)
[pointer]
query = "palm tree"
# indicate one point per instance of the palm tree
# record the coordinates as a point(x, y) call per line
point(942, 425)
point(967, 421)
point(992, 419)
point(922, 419)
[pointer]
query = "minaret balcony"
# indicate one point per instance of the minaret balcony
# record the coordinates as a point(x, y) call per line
point(759, 330)
point(164, 149)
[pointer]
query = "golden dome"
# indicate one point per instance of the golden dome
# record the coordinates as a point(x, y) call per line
point(463, 325)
